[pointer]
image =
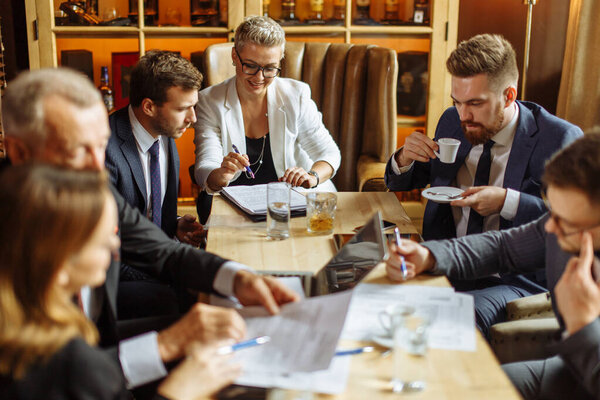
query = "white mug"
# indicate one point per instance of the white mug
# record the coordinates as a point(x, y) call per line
point(448, 150)
point(392, 315)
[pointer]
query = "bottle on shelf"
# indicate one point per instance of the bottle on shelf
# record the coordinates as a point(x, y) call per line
point(421, 12)
point(106, 90)
point(265, 7)
point(391, 10)
point(204, 12)
point(362, 12)
point(288, 10)
point(150, 12)
point(316, 11)
point(339, 10)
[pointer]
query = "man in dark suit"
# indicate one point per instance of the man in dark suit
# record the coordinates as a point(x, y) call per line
point(565, 244)
point(143, 164)
point(57, 116)
point(503, 147)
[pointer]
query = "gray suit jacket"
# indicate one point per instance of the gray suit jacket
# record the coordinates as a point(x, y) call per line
point(526, 248)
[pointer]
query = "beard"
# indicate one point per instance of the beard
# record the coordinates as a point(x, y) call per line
point(483, 133)
point(164, 129)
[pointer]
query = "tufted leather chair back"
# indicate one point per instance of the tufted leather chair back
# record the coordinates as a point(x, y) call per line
point(354, 87)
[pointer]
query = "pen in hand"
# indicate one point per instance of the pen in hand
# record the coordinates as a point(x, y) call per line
point(245, 344)
point(398, 243)
point(248, 170)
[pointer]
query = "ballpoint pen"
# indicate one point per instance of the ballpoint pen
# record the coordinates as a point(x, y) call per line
point(257, 341)
point(366, 349)
point(248, 170)
point(403, 262)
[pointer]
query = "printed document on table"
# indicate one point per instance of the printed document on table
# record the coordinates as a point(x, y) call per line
point(253, 199)
point(453, 326)
point(304, 335)
point(330, 381)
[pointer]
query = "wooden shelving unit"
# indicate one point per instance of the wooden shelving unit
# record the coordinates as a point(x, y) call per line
point(438, 38)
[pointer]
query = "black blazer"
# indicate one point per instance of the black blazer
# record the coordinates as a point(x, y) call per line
point(126, 173)
point(76, 371)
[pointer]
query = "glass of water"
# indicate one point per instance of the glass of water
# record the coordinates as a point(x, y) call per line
point(410, 352)
point(278, 210)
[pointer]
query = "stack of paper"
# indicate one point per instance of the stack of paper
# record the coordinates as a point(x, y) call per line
point(253, 199)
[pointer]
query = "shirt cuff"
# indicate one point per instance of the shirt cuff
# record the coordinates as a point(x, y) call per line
point(511, 204)
point(398, 170)
point(223, 283)
point(140, 359)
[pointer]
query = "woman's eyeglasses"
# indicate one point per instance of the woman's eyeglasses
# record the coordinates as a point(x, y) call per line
point(252, 69)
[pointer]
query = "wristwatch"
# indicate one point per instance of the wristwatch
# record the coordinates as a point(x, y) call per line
point(314, 173)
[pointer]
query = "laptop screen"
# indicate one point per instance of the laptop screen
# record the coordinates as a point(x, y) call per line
point(354, 260)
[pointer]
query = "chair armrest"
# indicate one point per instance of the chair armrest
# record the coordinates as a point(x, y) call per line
point(530, 307)
point(526, 339)
point(370, 172)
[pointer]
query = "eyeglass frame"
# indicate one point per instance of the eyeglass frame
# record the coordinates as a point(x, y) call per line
point(258, 67)
point(557, 220)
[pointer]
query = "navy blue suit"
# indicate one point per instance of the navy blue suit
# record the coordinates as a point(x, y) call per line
point(539, 134)
point(125, 168)
point(141, 294)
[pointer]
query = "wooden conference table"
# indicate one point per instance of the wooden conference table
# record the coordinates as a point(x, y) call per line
point(453, 374)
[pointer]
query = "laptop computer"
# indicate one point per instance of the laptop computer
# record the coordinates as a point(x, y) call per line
point(353, 261)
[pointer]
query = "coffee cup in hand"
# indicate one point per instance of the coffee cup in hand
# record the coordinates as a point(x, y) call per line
point(448, 148)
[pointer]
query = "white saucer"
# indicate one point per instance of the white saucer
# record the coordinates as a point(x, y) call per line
point(442, 198)
point(384, 341)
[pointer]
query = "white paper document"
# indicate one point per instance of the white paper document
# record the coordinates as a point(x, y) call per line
point(453, 317)
point(330, 381)
point(304, 335)
point(253, 199)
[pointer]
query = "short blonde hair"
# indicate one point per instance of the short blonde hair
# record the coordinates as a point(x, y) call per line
point(488, 54)
point(259, 30)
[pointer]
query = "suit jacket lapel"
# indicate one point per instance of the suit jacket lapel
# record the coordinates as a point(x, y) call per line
point(130, 151)
point(525, 139)
point(276, 111)
point(234, 120)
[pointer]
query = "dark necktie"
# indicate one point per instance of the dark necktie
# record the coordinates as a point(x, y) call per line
point(155, 193)
point(482, 178)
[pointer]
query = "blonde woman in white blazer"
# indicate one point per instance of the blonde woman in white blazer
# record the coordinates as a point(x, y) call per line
point(272, 121)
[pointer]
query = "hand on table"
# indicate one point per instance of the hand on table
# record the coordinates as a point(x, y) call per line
point(417, 259)
point(297, 176)
point(190, 231)
point(486, 200)
point(201, 374)
point(417, 147)
point(577, 293)
point(202, 323)
point(252, 289)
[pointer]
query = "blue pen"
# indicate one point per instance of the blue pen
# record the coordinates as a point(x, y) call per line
point(248, 170)
point(366, 349)
point(398, 241)
point(257, 341)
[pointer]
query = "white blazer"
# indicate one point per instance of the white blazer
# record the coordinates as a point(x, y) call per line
point(297, 134)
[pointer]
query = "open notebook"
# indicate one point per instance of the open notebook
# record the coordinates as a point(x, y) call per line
point(252, 200)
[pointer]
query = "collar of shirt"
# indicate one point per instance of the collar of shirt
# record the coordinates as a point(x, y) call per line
point(143, 138)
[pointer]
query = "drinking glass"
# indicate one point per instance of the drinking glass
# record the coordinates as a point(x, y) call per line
point(278, 210)
point(320, 212)
point(410, 352)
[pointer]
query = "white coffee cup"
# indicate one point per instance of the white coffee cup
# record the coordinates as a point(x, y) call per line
point(392, 315)
point(448, 150)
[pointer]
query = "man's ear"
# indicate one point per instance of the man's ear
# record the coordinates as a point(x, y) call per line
point(148, 107)
point(510, 95)
point(17, 150)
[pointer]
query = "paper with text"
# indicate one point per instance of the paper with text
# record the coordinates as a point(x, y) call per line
point(453, 326)
point(304, 335)
point(253, 199)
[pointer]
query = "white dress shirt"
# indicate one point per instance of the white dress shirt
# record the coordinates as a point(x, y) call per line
point(466, 176)
point(144, 140)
